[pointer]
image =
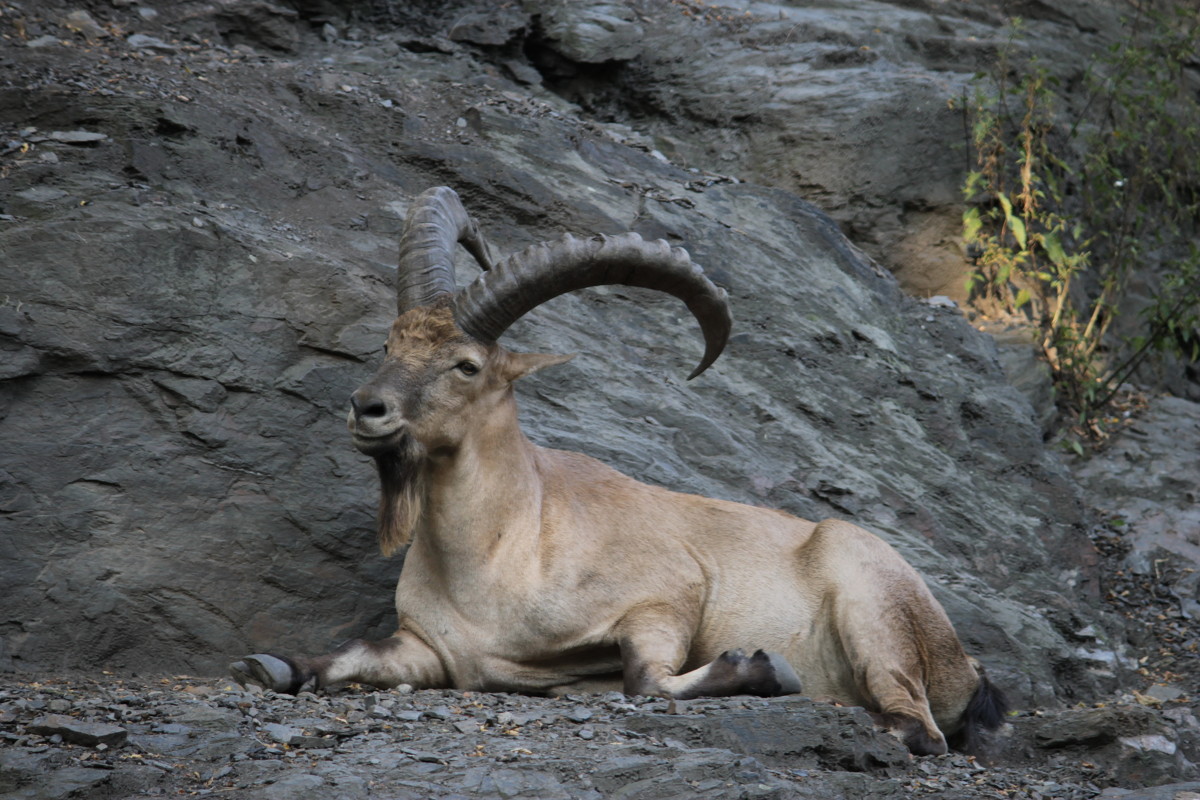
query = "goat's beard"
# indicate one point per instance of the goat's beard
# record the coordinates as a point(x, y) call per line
point(402, 494)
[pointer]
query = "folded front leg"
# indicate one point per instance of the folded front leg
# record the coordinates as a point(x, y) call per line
point(402, 658)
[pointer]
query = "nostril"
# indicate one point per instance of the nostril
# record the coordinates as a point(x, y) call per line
point(368, 405)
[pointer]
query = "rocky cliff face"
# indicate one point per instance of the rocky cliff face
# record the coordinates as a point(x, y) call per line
point(851, 105)
point(199, 218)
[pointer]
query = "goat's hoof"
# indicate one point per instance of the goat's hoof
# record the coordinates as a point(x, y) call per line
point(789, 681)
point(734, 658)
point(271, 672)
point(768, 675)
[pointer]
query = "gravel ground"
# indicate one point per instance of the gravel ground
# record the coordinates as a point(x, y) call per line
point(132, 737)
point(125, 737)
point(128, 737)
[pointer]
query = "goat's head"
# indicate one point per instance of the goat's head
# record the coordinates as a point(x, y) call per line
point(443, 369)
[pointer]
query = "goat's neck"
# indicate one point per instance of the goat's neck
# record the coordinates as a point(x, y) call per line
point(483, 501)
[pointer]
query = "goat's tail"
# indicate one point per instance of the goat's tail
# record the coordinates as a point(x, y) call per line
point(985, 712)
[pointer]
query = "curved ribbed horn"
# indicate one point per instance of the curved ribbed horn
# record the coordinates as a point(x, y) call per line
point(436, 221)
point(519, 283)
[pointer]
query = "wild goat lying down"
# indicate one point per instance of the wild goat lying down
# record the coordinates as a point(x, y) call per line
point(543, 571)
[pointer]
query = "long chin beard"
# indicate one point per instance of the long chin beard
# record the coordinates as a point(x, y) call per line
point(402, 494)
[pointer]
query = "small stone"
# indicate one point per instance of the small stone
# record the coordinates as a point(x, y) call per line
point(579, 714)
point(284, 734)
point(1164, 691)
point(313, 742)
point(42, 194)
point(1151, 742)
point(42, 41)
point(77, 137)
point(82, 22)
point(587, 734)
point(140, 41)
point(466, 726)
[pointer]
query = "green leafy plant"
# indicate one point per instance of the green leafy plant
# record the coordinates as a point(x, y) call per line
point(1067, 207)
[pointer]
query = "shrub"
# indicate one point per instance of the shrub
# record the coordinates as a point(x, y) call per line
point(1067, 206)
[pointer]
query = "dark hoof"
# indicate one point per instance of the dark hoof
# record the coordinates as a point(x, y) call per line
point(762, 674)
point(734, 658)
point(911, 732)
point(272, 672)
point(785, 676)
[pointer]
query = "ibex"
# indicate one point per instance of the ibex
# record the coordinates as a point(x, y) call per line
point(542, 571)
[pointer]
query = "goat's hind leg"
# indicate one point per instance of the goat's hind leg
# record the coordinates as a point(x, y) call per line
point(652, 654)
point(402, 658)
point(733, 672)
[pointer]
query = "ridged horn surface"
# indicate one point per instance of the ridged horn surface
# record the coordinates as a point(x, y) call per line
point(525, 280)
point(435, 223)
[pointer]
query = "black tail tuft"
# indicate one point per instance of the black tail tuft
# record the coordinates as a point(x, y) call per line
point(985, 711)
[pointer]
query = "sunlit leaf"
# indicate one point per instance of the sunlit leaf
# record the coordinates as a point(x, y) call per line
point(1018, 230)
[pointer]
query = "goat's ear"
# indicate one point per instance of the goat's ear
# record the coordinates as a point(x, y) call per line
point(519, 365)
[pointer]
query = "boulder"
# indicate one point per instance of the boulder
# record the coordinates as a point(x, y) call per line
point(854, 106)
point(194, 308)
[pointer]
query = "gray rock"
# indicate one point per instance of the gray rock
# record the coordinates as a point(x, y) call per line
point(259, 24)
point(88, 734)
point(493, 27)
point(579, 714)
point(1145, 478)
point(1170, 791)
point(300, 786)
point(77, 137)
point(177, 484)
point(794, 733)
point(1094, 726)
point(284, 734)
point(466, 726)
point(82, 22)
point(208, 718)
point(592, 32)
point(141, 41)
point(439, 712)
point(1133, 745)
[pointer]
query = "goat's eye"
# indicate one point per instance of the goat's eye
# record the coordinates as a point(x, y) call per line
point(467, 367)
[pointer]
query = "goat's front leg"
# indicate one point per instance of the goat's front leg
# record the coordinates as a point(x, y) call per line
point(402, 658)
point(653, 648)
